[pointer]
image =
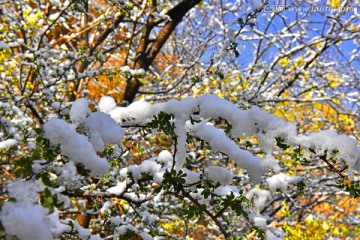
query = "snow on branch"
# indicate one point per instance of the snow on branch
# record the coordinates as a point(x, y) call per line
point(253, 122)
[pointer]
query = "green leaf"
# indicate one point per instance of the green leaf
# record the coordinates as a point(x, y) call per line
point(23, 167)
point(352, 187)
point(45, 178)
point(49, 201)
point(35, 154)
point(280, 143)
point(300, 188)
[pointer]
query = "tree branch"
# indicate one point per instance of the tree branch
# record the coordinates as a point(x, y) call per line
point(145, 59)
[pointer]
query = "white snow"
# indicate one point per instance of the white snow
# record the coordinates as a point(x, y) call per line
point(328, 140)
point(219, 174)
point(107, 104)
point(118, 189)
point(8, 143)
point(191, 177)
point(199, 197)
point(124, 228)
point(257, 5)
point(146, 236)
point(274, 234)
point(149, 166)
point(218, 141)
point(226, 190)
point(25, 220)
point(103, 130)
point(135, 172)
point(106, 206)
point(25, 190)
point(75, 146)
point(253, 122)
point(116, 220)
point(165, 157)
point(83, 233)
point(57, 227)
point(260, 221)
point(259, 197)
point(68, 176)
point(281, 181)
point(159, 177)
point(79, 111)
point(4, 45)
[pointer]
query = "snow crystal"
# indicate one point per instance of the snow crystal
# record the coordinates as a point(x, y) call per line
point(326, 141)
point(116, 220)
point(68, 176)
point(259, 197)
point(25, 190)
point(118, 189)
point(8, 143)
point(79, 111)
point(253, 122)
point(4, 45)
point(146, 236)
point(165, 157)
point(219, 174)
point(103, 130)
point(149, 166)
point(198, 196)
point(218, 141)
point(191, 177)
point(147, 217)
point(274, 234)
point(226, 190)
point(281, 181)
point(25, 220)
point(83, 233)
point(159, 177)
point(57, 227)
point(260, 221)
point(106, 206)
point(75, 146)
point(257, 5)
point(137, 112)
point(107, 104)
point(231, 34)
point(135, 172)
point(124, 228)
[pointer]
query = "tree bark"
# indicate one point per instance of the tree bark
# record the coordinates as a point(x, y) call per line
point(145, 58)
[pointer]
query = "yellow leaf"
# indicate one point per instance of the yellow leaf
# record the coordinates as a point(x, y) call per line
point(299, 62)
point(333, 84)
point(335, 3)
point(336, 101)
point(284, 61)
point(325, 226)
point(245, 84)
point(219, 93)
point(284, 212)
